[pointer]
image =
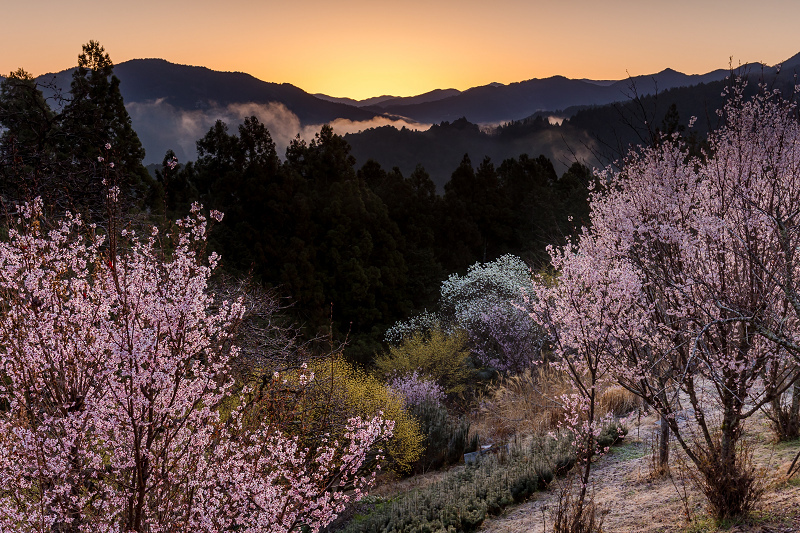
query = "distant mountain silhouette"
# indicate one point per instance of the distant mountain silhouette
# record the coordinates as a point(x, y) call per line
point(668, 79)
point(592, 135)
point(793, 64)
point(353, 102)
point(188, 88)
point(497, 103)
point(386, 100)
point(172, 105)
point(503, 103)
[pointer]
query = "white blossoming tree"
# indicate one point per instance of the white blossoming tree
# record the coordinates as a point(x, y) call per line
point(490, 303)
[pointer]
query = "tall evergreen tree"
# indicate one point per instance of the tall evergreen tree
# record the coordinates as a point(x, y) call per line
point(26, 141)
point(416, 209)
point(94, 125)
point(477, 220)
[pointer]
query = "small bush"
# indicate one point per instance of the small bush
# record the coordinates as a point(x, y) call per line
point(569, 517)
point(611, 434)
point(446, 438)
point(784, 414)
point(416, 388)
point(353, 392)
point(731, 488)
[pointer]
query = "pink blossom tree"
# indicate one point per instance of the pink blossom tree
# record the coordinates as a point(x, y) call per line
point(114, 362)
point(581, 310)
point(694, 256)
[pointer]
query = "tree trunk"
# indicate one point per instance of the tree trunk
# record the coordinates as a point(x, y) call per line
point(589, 451)
point(663, 446)
point(729, 438)
point(794, 410)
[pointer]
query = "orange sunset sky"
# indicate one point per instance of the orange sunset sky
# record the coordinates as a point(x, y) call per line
point(362, 48)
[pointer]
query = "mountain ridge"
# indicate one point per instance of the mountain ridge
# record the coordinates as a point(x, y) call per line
point(173, 105)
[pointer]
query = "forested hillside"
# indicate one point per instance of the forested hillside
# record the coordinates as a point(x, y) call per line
point(366, 246)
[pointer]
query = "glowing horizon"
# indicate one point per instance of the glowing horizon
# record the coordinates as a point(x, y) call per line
point(366, 48)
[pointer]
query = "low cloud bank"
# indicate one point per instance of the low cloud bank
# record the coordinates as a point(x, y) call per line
point(161, 126)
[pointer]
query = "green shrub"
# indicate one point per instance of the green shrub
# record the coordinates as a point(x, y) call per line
point(446, 437)
point(611, 434)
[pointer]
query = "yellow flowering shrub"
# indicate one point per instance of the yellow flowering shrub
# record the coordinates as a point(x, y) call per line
point(353, 392)
point(437, 354)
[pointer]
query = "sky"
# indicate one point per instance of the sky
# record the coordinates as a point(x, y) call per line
point(364, 48)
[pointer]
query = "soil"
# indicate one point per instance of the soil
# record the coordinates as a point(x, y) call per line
point(630, 499)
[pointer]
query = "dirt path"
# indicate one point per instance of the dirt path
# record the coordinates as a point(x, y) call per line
point(631, 502)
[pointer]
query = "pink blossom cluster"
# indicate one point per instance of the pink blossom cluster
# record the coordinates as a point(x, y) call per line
point(581, 425)
point(416, 388)
point(115, 359)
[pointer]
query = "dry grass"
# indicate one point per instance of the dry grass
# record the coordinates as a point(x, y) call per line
point(618, 401)
point(569, 517)
point(524, 404)
point(528, 404)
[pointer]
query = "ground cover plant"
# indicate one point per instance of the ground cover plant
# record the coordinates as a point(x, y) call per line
point(463, 498)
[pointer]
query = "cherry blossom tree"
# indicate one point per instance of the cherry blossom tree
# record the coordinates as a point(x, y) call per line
point(581, 310)
point(688, 272)
point(114, 368)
